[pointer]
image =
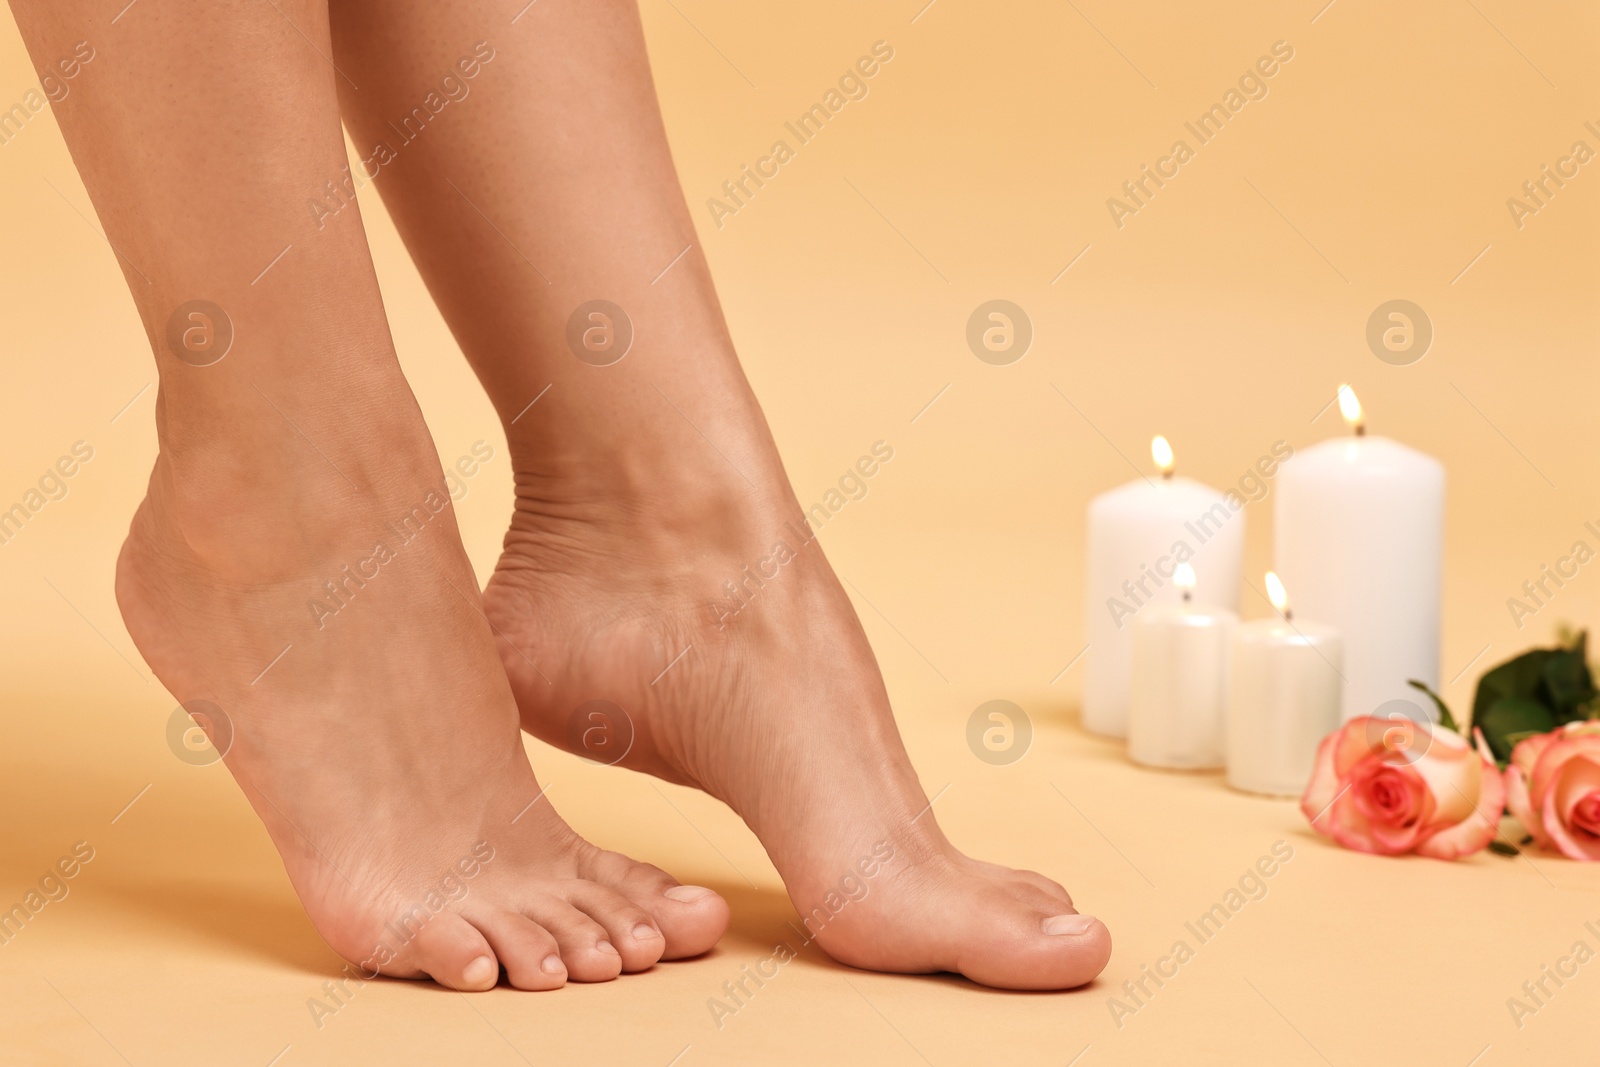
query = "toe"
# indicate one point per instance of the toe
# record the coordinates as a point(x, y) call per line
point(630, 929)
point(1034, 945)
point(692, 918)
point(585, 946)
point(1079, 945)
point(527, 951)
point(1032, 878)
point(455, 954)
point(1037, 897)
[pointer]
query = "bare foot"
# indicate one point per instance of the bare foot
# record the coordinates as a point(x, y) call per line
point(779, 711)
point(628, 519)
point(295, 565)
point(372, 727)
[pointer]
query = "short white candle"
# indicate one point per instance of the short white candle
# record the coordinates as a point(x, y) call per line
point(1178, 700)
point(1284, 690)
point(1138, 534)
point(1360, 540)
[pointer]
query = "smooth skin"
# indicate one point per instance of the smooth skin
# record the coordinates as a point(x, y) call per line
point(645, 485)
point(383, 745)
point(382, 750)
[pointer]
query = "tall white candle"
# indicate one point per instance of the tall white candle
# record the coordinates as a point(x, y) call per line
point(1178, 702)
point(1138, 534)
point(1284, 691)
point(1360, 540)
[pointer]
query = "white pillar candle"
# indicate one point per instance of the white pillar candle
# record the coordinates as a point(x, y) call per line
point(1360, 540)
point(1283, 698)
point(1178, 699)
point(1138, 534)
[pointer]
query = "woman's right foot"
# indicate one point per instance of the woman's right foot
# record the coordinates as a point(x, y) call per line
point(372, 727)
point(732, 660)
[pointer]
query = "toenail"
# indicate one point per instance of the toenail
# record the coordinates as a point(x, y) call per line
point(552, 964)
point(1070, 924)
point(478, 971)
point(645, 932)
point(606, 946)
point(688, 894)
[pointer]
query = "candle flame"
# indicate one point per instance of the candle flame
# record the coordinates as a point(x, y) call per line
point(1350, 407)
point(1161, 452)
point(1277, 594)
point(1183, 577)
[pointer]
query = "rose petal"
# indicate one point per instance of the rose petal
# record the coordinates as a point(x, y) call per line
point(1526, 753)
point(1351, 821)
point(1324, 786)
point(1521, 806)
point(1394, 801)
point(1480, 827)
point(1567, 744)
point(1355, 741)
point(1453, 772)
point(1579, 779)
point(1585, 814)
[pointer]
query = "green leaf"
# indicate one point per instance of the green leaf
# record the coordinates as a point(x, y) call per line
point(1500, 848)
point(1514, 739)
point(1447, 720)
point(1567, 681)
point(1518, 677)
point(1511, 715)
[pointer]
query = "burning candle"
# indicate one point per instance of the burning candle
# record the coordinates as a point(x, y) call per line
point(1178, 698)
point(1284, 685)
point(1138, 535)
point(1360, 539)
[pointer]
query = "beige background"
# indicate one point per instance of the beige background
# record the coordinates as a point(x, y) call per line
point(1223, 315)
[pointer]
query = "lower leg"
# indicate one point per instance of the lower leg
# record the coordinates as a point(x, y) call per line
point(646, 486)
point(295, 564)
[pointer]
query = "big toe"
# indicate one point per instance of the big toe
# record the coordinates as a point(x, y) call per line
point(691, 918)
point(1038, 944)
point(452, 952)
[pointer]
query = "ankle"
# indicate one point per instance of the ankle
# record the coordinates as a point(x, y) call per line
point(264, 492)
point(658, 502)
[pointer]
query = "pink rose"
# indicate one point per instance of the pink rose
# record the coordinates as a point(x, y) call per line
point(1392, 786)
point(1553, 787)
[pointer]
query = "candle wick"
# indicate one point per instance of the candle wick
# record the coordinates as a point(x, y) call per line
point(1361, 429)
point(1166, 475)
point(1186, 596)
point(1288, 614)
